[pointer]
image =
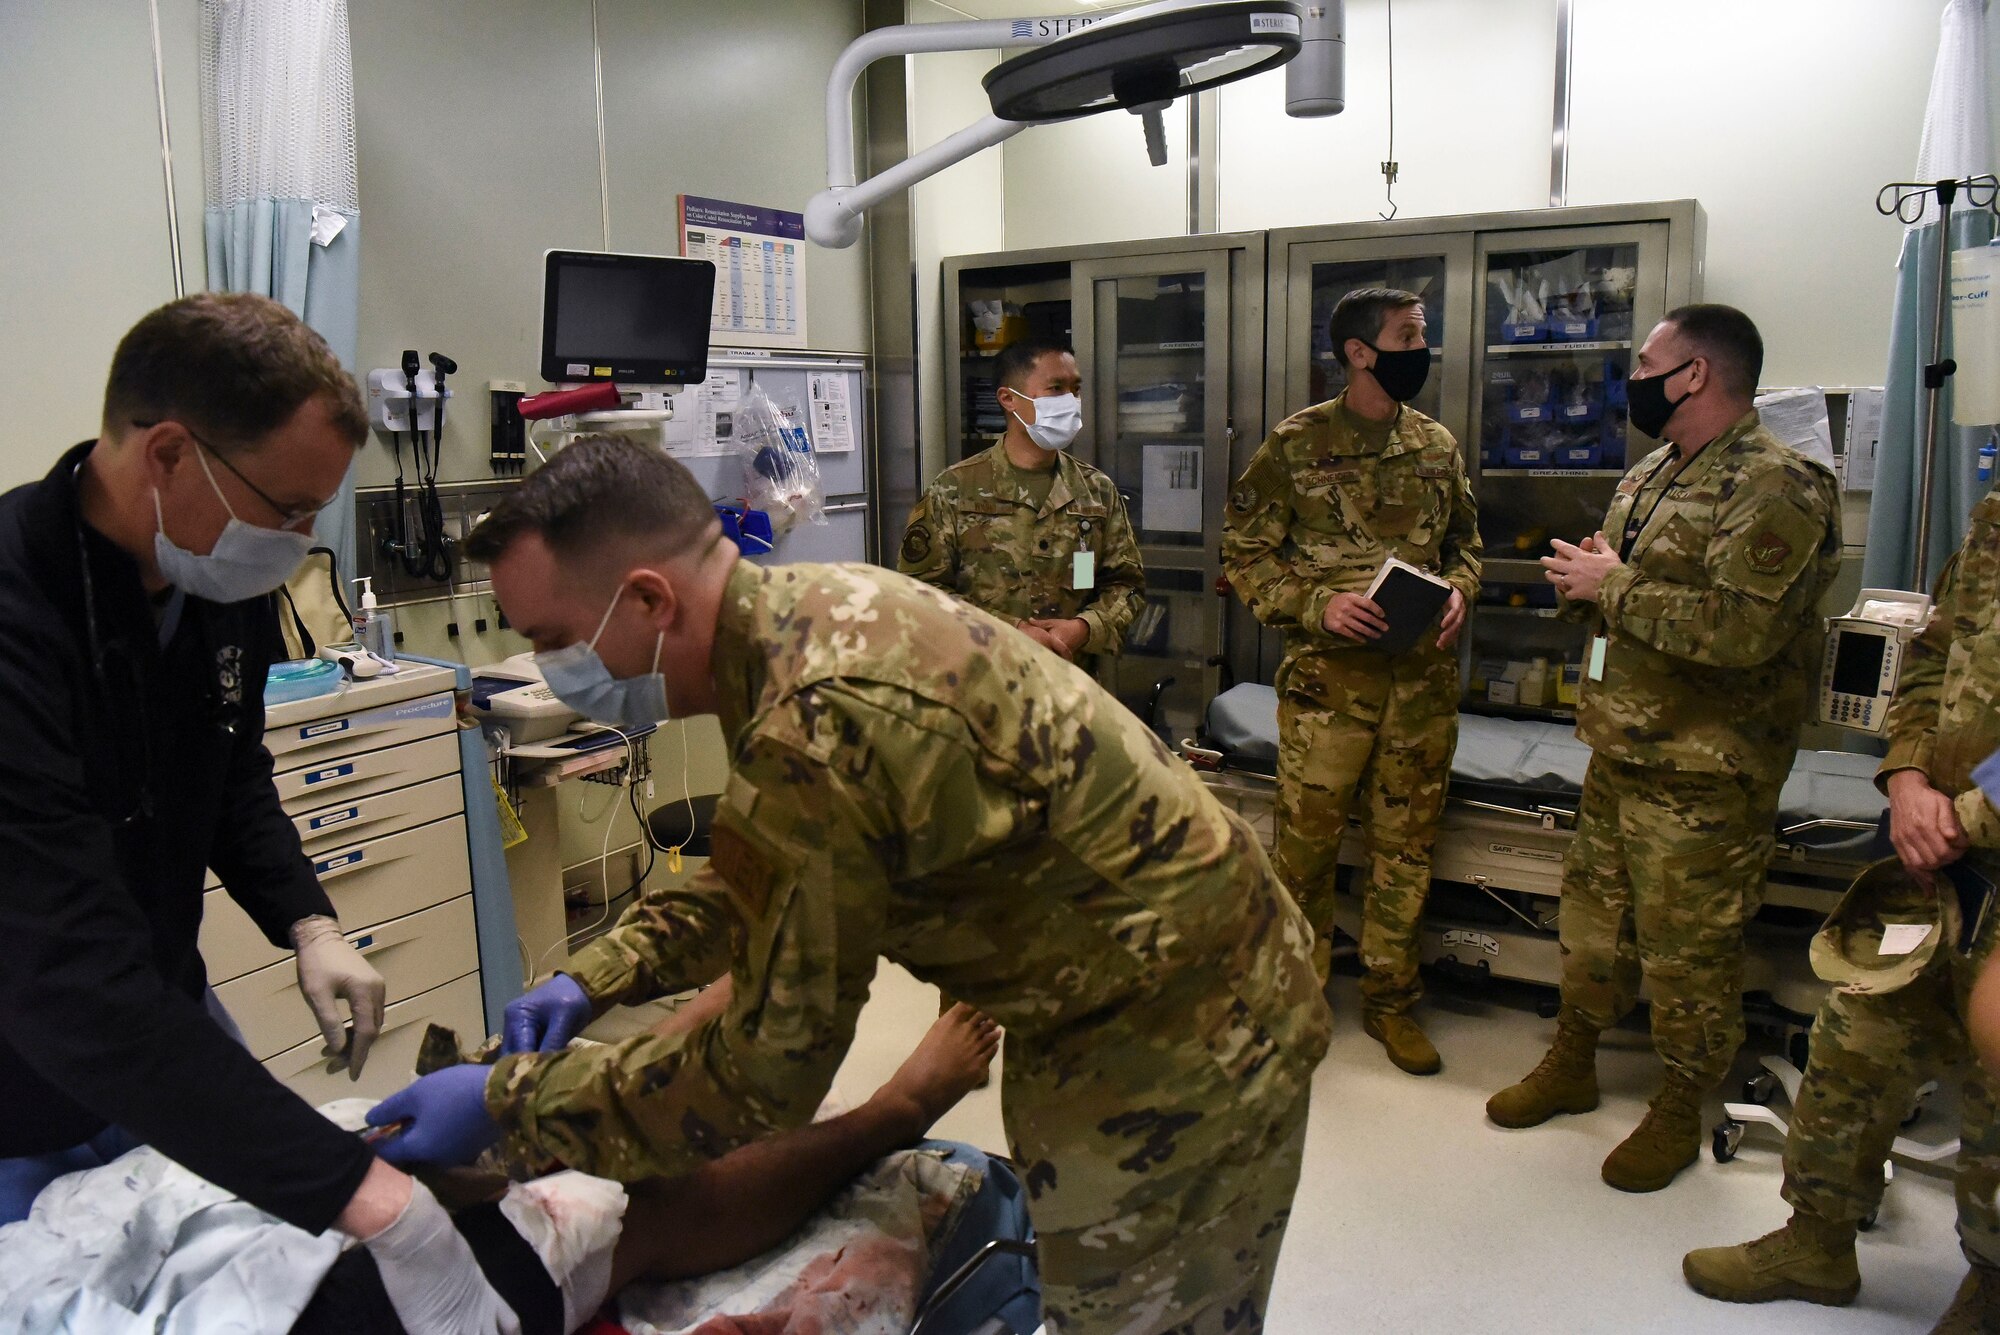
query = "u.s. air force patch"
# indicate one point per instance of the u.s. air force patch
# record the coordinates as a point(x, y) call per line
point(1768, 552)
point(917, 542)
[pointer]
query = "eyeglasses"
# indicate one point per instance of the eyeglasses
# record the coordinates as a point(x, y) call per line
point(288, 518)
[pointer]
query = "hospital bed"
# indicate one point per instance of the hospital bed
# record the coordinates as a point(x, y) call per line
point(1509, 817)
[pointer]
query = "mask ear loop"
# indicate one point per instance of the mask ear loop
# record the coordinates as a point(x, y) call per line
point(606, 619)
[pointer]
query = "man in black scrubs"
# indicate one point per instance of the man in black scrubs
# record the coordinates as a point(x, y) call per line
point(135, 632)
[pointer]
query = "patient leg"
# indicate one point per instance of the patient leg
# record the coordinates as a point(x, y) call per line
point(705, 1005)
point(751, 1199)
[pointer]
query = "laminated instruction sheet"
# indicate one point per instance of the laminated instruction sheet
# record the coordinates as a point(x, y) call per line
point(760, 269)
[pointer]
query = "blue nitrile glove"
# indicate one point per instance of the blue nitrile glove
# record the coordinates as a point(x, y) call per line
point(546, 1018)
point(446, 1112)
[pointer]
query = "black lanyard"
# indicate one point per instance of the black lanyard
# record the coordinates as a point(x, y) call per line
point(1633, 530)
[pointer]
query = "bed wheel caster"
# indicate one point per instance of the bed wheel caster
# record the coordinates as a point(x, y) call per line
point(1728, 1135)
point(1548, 1010)
point(1761, 1088)
point(1799, 1049)
point(1868, 1221)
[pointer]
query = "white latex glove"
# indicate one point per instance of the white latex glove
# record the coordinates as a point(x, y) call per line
point(331, 970)
point(432, 1280)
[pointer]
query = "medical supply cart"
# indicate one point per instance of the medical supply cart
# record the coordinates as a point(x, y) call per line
point(372, 776)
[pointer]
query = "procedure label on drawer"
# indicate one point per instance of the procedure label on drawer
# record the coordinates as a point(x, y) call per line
point(333, 818)
point(330, 773)
point(333, 864)
point(433, 706)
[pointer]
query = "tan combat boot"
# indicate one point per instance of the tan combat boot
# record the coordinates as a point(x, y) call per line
point(1809, 1259)
point(1666, 1140)
point(1406, 1044)
point(1976, 1309)
point(1565, 1082)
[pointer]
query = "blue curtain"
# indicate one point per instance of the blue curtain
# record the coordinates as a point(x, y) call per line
point(266, 246)
point(1891, 559)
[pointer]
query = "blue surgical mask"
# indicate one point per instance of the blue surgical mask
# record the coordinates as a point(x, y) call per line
point(582, 681)
point(246, 562)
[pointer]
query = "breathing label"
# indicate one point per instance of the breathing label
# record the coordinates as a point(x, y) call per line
point(1459, 939)
point(1900, 938)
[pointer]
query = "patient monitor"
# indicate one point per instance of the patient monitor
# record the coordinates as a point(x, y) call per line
point(1864, 657)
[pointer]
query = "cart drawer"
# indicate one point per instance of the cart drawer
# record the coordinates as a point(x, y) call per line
point(393, 1060)
point(413, 955)
point(345, 778)
point(315, 741)
point(369, 883)
point(346, 823)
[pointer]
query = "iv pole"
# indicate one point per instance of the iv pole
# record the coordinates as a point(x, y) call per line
point(1896, 200)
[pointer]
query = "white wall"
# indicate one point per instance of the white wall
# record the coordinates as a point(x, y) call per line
point(1783, 117)
point(1806, 108)
point(83, 206)
point(1089, 180)
point(957, 212)
point(1474, 91)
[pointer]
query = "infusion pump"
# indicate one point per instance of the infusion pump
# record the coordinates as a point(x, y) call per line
point(1864, 657)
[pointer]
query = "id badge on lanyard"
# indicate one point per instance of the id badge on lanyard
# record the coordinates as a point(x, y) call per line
point(1083, 563)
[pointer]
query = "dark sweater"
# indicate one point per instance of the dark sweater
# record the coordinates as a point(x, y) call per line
point(125, 769)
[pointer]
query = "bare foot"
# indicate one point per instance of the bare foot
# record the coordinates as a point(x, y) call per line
point(949, 1064)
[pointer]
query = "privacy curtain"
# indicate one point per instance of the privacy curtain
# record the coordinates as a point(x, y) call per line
point(283, 218)
point(1957, 143)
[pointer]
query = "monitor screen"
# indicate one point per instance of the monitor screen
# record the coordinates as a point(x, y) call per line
point(1857, 662)
point(637, 319)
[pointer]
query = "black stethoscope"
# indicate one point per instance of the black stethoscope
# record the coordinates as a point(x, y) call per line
point(227, 715)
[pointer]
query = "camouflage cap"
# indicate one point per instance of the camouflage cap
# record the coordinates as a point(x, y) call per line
point(1884, 906)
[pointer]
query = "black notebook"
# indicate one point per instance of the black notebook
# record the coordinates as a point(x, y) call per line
point(1410, 599)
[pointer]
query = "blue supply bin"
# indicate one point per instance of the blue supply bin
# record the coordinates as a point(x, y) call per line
point(1522, 414)
point(1580, 456)
point(1573, 331)
point(1578, 414)
point(1614, 384)
point(1529, 456)
point(1530, 332)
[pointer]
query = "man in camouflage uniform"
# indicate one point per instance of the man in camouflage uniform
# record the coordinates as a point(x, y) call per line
point(909, 779)
point(1870, 1052)
point(1699, 675)
point(1333, 491)
point(1005, 529)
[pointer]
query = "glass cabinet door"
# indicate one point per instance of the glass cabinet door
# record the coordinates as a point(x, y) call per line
point(1561, 313)
point(1436, 268)
point(1154, 353)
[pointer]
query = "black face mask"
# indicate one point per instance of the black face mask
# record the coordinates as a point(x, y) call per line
point(1401, 374)
point(1647, 405)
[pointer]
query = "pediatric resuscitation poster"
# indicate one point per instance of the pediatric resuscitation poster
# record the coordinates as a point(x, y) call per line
point(760, 269)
